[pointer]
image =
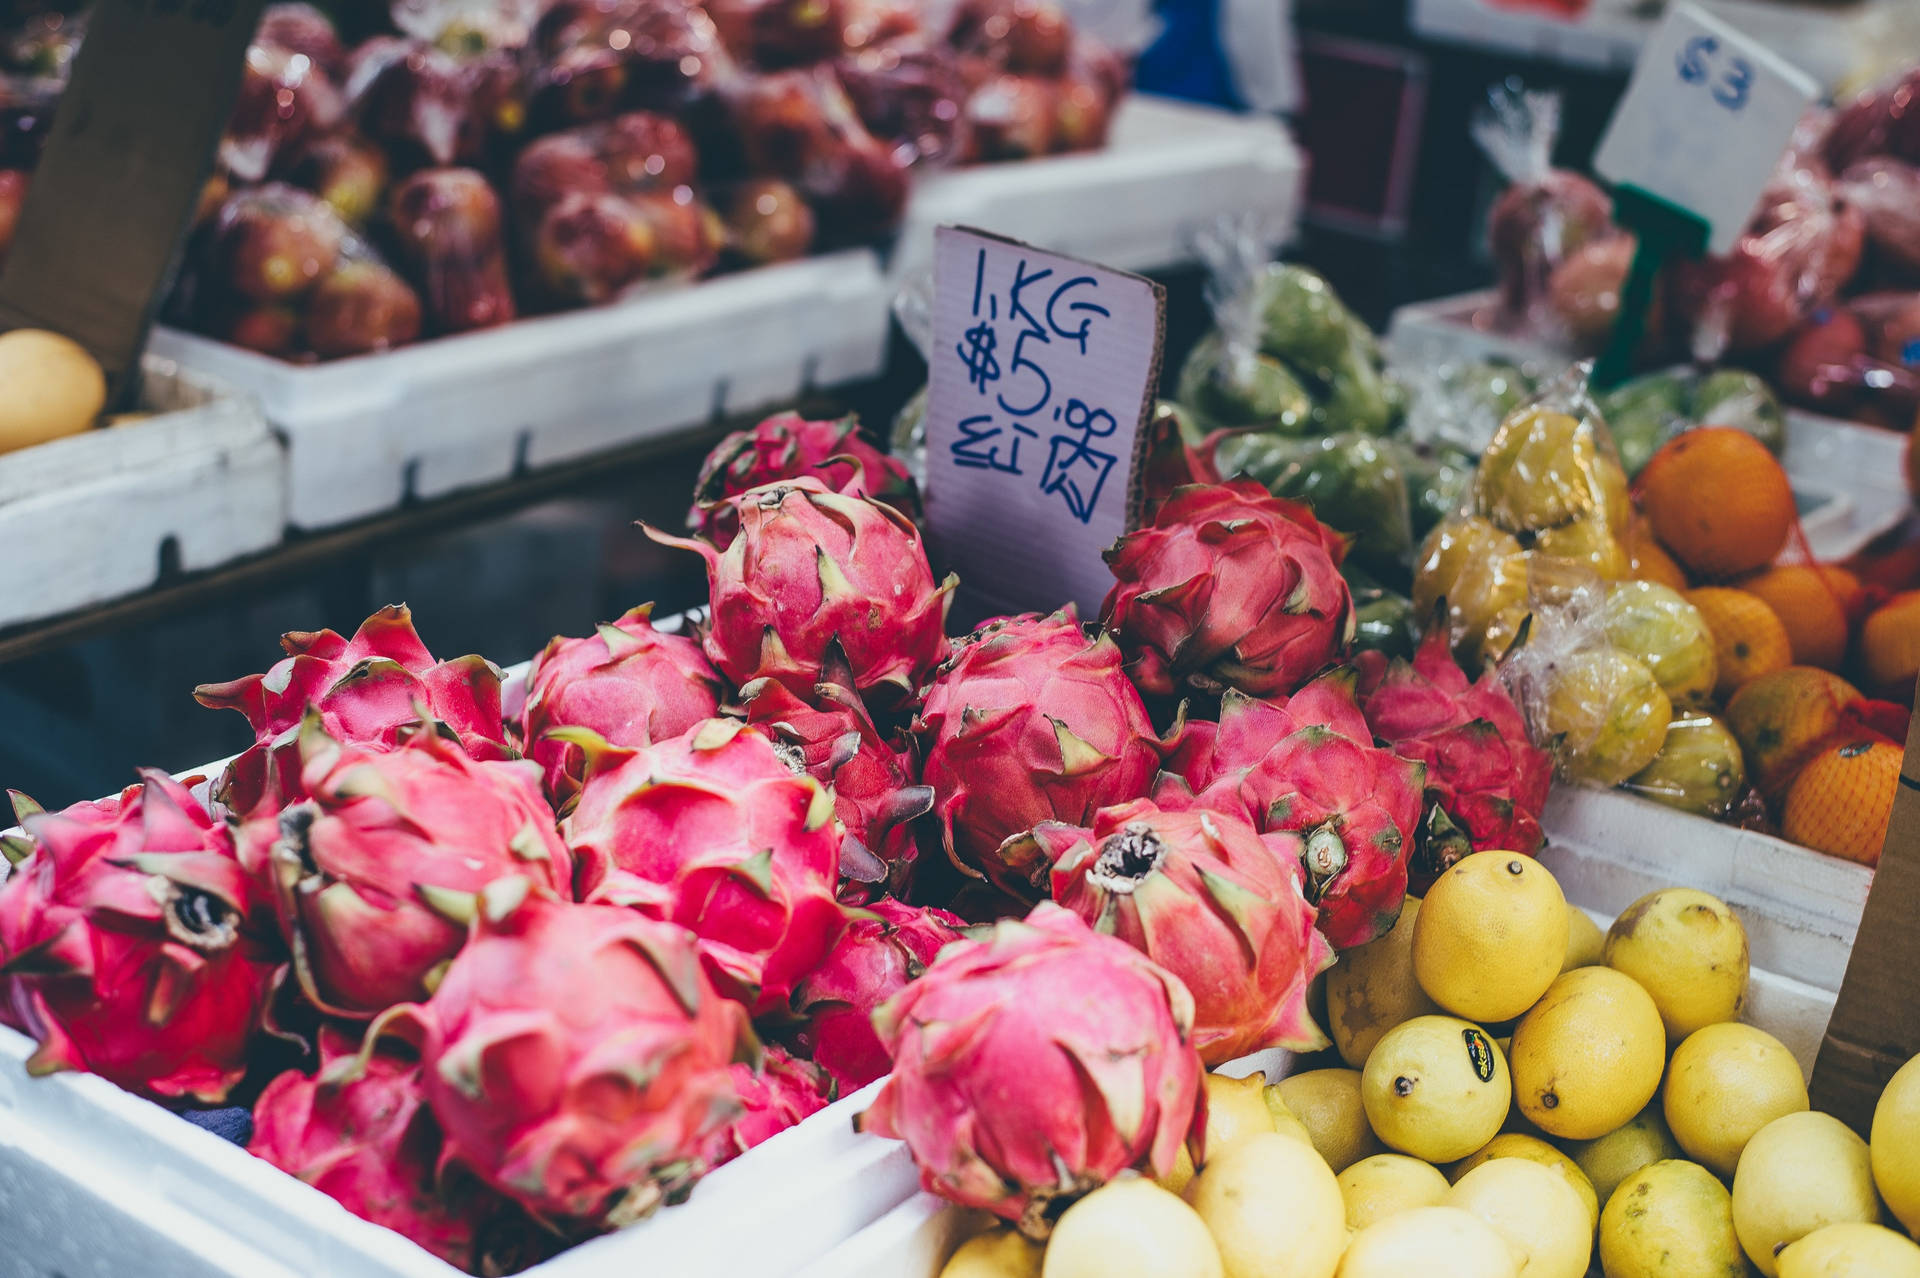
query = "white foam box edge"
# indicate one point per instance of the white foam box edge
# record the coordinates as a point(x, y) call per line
point(366, 433)
point(84, 518)
point(1168, 169)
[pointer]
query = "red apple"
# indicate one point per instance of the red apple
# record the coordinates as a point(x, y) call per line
point(1887, 194)
point(1012, 118)
point(552, 168)
point(413, 98)
point(271, 330)
point(647, 151)
point(589, 247)
point(361, 307)
point(446, 213)
point(781, 33)
point(1820, 366)
point(1533, 226)
point(346, 172)
point(272, 243)
point(907, 95)
point(769, 221)
point(284, 99)
point(303, 29)
point(1584, 289)
point(687, 233)
point(13, 193)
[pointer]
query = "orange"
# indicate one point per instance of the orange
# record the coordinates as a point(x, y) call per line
point(1812, 602)
point(1843, 798)
point(1748, 640)
point(1718, 500)
point(1890, 644)
point(1782, 718)
point(1648, 560)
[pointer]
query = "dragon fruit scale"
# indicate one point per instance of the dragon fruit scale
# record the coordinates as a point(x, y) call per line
point(714, 831)
point(1229, 587)
point(628, 682)
point(1030, 721)
point(787, 446)
point(1035, 1062)
point(1212, 901)
point(1486, 782)
point(874, 959)
point(369, 1142)
point(575, 1056)
point(1309, 765)
point(776, 1096)
point(875, 793)
point(366, 690)
point(134, 946)
point(375, 874)
point(820, 582)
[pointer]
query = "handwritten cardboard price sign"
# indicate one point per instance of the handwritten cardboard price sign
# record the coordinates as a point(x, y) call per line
point(1042, 370)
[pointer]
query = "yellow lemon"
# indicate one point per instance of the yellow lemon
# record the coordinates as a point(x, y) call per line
point(1608, 1160)
point(1491, 936)
point(1131, 1228)
point(54, 387)
point(1724, 1083)
point(1851, 1250)
point(1274, 1209)
point(1688, 951)
point(1586, 943)
point(1535, 1209)
point(1895, 1143)
point(1371, 989)
point(999, 1253)
point(1387, 1184)
point(1436, 1087)
point(1670, 1219)
point(1236, 1109)
point(1429, 1242)
point(1588, 1056)
point(1533, 1149)
point(1799, 1172)
point(1327, 1103)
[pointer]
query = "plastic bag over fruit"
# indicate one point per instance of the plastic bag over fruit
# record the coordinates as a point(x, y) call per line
point(1649, 410)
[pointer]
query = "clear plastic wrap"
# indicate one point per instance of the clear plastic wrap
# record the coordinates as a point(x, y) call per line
point(285, 99)
point(1887, 193)
point(448, 225)
point(1546, 217)
point(1699, 768)
point(1651, 409)
point(277, 271)
point(800, 127)
point(1355, 483)
point(596, 58)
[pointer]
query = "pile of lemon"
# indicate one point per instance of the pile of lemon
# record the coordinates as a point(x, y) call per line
point(1525, 1095)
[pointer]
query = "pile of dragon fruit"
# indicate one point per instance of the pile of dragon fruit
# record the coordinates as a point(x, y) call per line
point(503, 971)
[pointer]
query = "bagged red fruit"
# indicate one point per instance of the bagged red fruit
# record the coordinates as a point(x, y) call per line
point(1887, 193)
point(448, 224)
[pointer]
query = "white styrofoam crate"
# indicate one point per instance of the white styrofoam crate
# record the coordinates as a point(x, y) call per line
point(366, 433)
point(83, 520)
point(1168, 169)
point(1828, 41)
point(1856, 472)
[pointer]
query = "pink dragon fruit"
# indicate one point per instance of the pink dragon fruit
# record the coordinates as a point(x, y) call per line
point(1212, 901)
point(1035, 1063)
point(713, 831)
point(366, 689)
point(134, 946)
point(370, 1144)
point(818, 582)
point(630, 683)
point(1229, 587)
point(787, 446)
point(875, 795)
point(1309, 765)
point(375, 874)
point(874, 959)
point(1030, 721)
point(575, 1056)
point(1486, 782)
point(776, 1096)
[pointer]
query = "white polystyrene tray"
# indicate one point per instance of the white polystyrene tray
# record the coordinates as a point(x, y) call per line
point(1857, 471)
point(367, 433)
point(1829, 41)
point(90, 518)
point(1168, 169)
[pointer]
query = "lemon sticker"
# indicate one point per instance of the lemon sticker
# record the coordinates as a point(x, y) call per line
point(1480, 1052)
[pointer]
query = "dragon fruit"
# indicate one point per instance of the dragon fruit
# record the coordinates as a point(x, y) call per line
point(788, 446)
point(713, 831)
point(1486, 782)
point(1212, 901)
point(371, 1145)
point(1309, 765)
point(1030, 721)
point(872, 780)
point(575, 1056)
point(874, 959)
point(818, 582)
point(366, 689)
point(1036, 1062)
point(776, 1096)
point(1229, 587)
point(134, 946)
point(630, 683)
point(375, 874)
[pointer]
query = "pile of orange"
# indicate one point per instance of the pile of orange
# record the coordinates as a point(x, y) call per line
point(1716, 511)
